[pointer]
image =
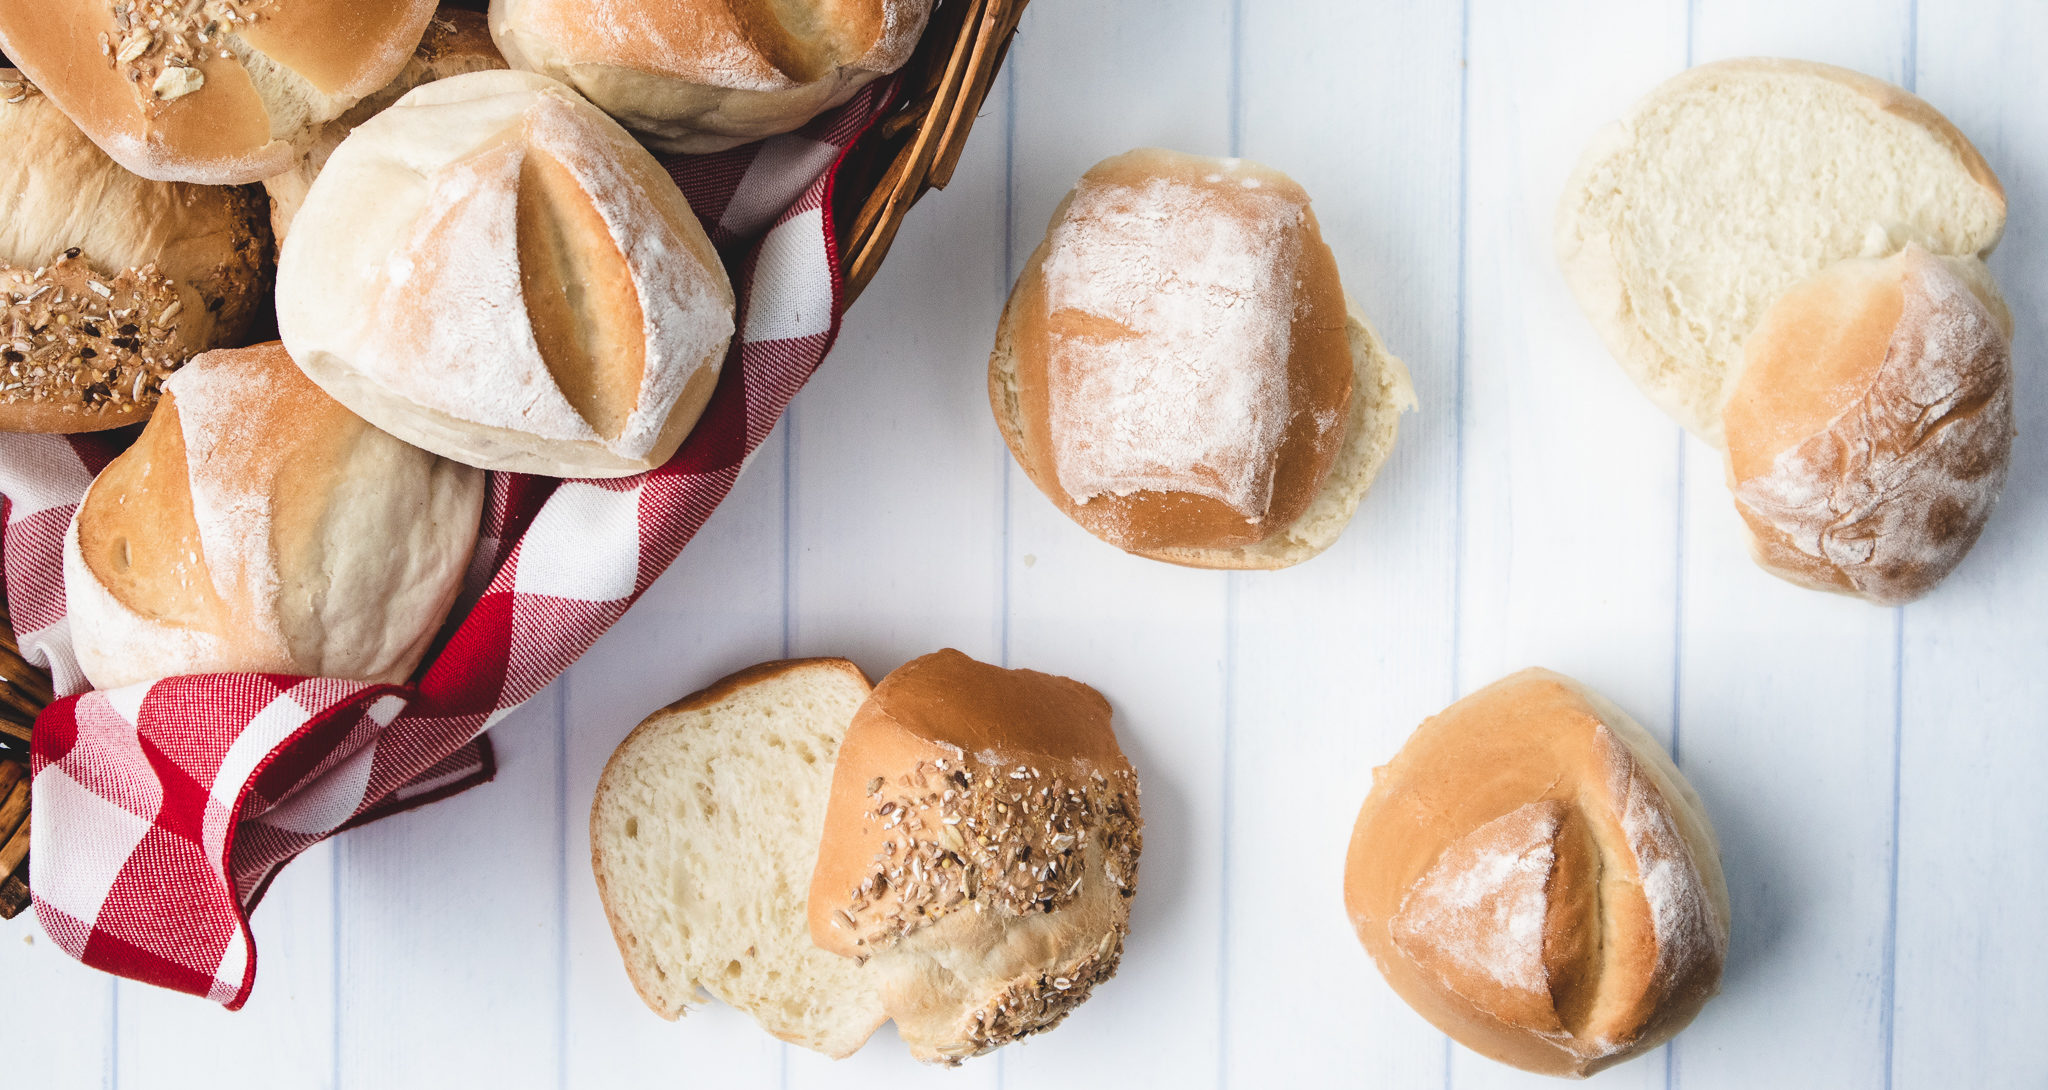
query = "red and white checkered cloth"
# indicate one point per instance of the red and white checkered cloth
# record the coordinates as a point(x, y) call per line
point(162, 811)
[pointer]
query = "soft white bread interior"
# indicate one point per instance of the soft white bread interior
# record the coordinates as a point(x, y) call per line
point(1871, 427)
point(1534, 876)
point(1726, 186)
point(219, 92)
point(257, 526)
point(698, 76)
point(493, 270)
point(703, 837)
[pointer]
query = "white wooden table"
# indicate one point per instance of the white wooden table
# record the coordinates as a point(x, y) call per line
point(1875, 775)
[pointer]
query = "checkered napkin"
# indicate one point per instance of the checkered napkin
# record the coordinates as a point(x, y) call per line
point(163, 811)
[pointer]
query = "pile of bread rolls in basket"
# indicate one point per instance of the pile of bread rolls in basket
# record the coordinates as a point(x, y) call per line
point(1786, 257)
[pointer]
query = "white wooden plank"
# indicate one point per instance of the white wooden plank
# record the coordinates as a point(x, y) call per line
point(61, 1018)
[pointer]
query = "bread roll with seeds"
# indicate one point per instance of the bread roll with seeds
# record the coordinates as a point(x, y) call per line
point(219, 92)
point(1179, 370)
point(109, 282)
point(980, 851)
point(259, 527)
point(1535, 877)
point(493, 270)
point(698, 76)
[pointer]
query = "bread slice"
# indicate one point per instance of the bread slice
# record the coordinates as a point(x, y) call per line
point(704, 834)
point(1734, 181)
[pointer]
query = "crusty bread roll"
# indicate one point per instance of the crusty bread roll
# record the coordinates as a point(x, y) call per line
point(457, 41)
point(699, 76)
point(219, 92)
point(1535, 877)
point(1179, 370)
point(109, 282)
point(1731, 183)
point(1871, 427)
point(259, 527)
point(493, 270)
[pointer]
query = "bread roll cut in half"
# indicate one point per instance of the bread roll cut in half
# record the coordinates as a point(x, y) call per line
point(1871, 427)
point(259, 527)
point(1179, 370)
point(1536, 878)
point(699, 76)
point(457, 41)
point(109, 282)
point(219, 92)
point(968, 837)
point(493, 270)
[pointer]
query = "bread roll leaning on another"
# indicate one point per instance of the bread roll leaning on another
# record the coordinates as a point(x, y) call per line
point(493, 270)
point(1534, 876)
point(259, 527)
point(1179, 370)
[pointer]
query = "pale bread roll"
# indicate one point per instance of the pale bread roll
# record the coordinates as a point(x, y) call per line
point(219, 92)
point(1534, 876)
point(1179, 370)
point(493, 270)
point(698, 76)
point(259, 527)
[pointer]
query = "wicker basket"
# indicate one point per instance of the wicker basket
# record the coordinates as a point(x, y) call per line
point(908, 154)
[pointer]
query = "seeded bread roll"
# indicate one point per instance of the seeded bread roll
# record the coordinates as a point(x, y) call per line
point(1179, 370)
point(109, 282)
point(493, 270)
point(980, 851)
point(698, 76)
point(259, 527)
point(219, 92)
point(456, 42)
point(1535, 877)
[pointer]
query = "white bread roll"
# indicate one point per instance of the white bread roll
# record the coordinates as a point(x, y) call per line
point(219, 92)
point(1734, 181)
point(259, 527)
point(697, 76)
point(1179, 370)
point(1535, 877)
point(493, 270)
point(109, 282)
point(1871, 427)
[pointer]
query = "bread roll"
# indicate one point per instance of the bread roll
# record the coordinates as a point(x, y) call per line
point(1535, 877)
point(109, 282)
point(699, 76)
point(980, 851)
point(1871, 427)
point(259, 527)
point(1179, 370)
point(457, 41)
point(493, 270)
point(1728, 185)
point(219, 92)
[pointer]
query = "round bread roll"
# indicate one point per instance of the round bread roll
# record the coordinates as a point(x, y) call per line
point(696, 76)
point(980, 851)
point(1728, 185)
point(1179, 370)
point(109, 282)
point(1871, 426)
point(493, 270)
point(1535, 877)
point(457, 41)
point(219, 92)
point(259, 527)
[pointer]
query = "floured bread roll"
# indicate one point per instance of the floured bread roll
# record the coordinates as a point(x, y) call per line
point(1179, 370)
point(699, 76)
point(1871, 428)
point(1535, 877)
point(259, 527)
point(493, 270)
point(219, 92)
